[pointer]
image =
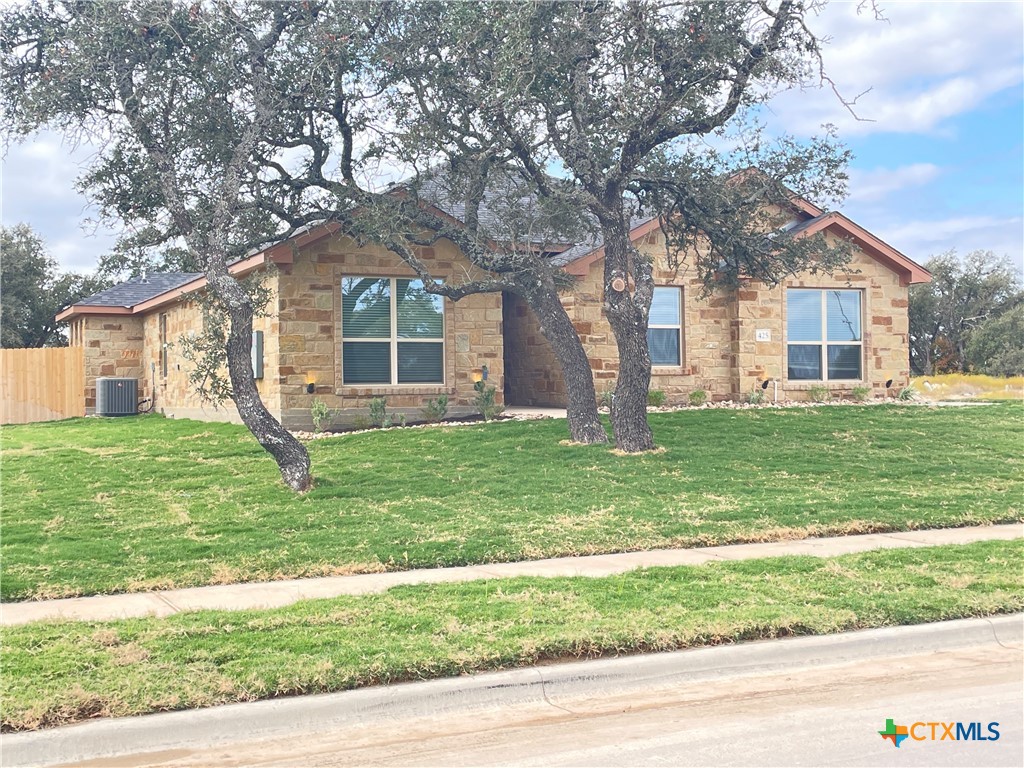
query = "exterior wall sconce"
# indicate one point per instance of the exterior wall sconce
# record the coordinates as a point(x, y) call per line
point(310, 384)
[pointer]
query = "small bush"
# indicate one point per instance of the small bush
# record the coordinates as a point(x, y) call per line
point(907, 393)
point(321, 415)
point(485, 401)
point(435, 410)
point(361, 422)
point(608, 395)
point(656, 398)
point(698, 397)
point(860, 394)
point(379, 412)
point(757, 396)
point(819, 393)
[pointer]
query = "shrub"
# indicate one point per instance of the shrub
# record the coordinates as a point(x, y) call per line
point(860, 394)
point(379, 412)
point(485, 401)
point(321, 415)
point(361, 422)
point(698, 397)
point(435, 410)
point(906, 393)
point(819, 393)
point(656, 398)
point(757, 396)
point(608, 395)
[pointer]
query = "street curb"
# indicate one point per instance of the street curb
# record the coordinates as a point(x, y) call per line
point(533, 685)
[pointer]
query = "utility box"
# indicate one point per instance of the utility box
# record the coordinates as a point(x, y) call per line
point(117, 397)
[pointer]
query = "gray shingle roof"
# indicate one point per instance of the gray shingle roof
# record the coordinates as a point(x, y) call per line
point(440, 190)
point(581, 249)
point(138, 289)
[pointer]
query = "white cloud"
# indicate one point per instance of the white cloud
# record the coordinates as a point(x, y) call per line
point(928, 62)
point(38, 189)
point(879, 183)
point(922, 239)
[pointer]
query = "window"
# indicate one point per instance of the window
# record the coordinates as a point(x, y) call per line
point(823, 335)
point(392, 332)
point(164, 346)
point(664, 331)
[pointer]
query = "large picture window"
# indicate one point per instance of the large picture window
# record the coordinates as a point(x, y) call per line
point(823, 335)
point(392, 332)
point(665, 329)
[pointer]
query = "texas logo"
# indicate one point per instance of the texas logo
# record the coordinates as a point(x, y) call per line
point(930, 731)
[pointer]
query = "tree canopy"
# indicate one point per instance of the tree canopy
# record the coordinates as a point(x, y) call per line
point(965, 295)
point(33, 290)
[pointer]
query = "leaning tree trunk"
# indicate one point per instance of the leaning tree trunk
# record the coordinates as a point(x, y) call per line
point(584, 421)
point(627, 316)
point(291, 455)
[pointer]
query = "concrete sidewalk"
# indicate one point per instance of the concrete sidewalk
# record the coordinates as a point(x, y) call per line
point(527, 694)
point(278, 593)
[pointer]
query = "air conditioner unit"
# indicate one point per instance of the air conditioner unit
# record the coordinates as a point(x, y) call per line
point(117, 397)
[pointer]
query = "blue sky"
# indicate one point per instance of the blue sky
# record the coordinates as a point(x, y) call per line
point(938, 147)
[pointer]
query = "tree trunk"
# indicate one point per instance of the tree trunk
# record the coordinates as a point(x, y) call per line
point(628, 315)
point(584, 421)
point(291, 455)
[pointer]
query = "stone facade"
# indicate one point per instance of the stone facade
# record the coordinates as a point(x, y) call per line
point(731, 341)
point(309, 314)
point(112, 347)
point(720, 351)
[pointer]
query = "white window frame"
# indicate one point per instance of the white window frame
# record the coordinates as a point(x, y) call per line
point(394, 338)
point(678, 327)
point(825, 343)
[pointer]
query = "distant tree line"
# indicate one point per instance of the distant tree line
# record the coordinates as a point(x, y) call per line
point(969, 318)
point(33, 290)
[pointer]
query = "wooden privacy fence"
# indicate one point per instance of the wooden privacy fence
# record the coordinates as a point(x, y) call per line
point(41, 384)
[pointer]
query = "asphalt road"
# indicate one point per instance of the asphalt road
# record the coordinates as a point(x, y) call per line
point(823, 716)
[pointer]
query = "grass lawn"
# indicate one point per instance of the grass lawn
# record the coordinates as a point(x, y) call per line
point(56, 673)
point(96, 506)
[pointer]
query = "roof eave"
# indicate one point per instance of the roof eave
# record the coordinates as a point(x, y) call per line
point(280, 253)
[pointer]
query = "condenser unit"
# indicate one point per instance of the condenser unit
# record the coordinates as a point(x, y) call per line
point(117, 397)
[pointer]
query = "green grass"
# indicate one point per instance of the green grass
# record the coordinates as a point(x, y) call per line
point(98, 506)
point(56, 673)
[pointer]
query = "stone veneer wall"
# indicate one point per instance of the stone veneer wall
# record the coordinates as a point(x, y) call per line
point(112, 347)
point(532, 373)
point(720, 354)
point(309, 311)
point(175, 396)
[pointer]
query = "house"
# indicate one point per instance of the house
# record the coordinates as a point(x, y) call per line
point(348, 322)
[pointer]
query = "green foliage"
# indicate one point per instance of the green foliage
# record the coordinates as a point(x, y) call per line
point(361, 421)
point(655, 398)
point(485, 401)
point(964, 295)
point(757, 396)
point(379, 412)
point(436, 409)
point(698, 397)
point(321, 414)
point(907, 393)
point(608, 395)
point(819, 393)
point(996, 347)
point(860, 394)
point(33, 291)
